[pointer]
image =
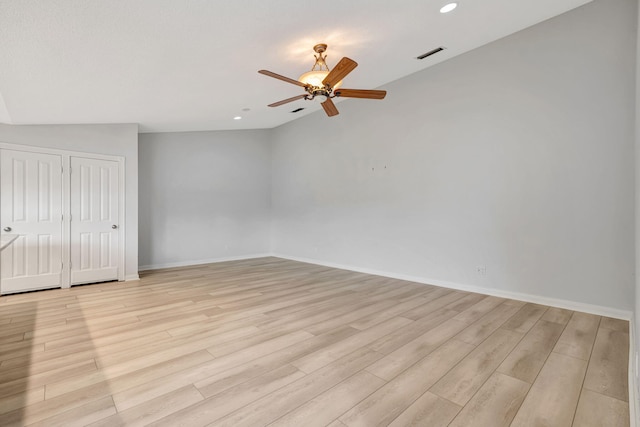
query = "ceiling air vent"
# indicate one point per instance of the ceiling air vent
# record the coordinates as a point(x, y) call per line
point(431, 52)
point(297, 110)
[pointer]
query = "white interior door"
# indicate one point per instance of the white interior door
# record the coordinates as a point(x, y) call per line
point(31, 206)
point(94, 220)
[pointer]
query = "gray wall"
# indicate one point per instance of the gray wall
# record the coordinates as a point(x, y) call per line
point(203, 196)
point(518, 156)
point(117, 140)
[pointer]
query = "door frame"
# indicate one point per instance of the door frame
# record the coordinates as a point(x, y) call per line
point(66, 202)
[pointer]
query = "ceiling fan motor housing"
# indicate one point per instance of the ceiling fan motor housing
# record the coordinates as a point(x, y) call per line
point(316, 91)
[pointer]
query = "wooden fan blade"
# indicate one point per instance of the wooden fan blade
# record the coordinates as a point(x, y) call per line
point(283, 78)
point(340, 71)
point(330, 108)
point(284, 101)
point(361, 93)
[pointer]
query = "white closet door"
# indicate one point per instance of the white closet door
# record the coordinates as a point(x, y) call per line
point(31, 206)
point(94, 220)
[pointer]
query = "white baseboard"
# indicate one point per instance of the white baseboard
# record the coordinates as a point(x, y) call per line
point(201, 261)
point(131, 277)
point(537, 299)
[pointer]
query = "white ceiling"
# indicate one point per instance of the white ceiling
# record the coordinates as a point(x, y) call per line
point(176, 65)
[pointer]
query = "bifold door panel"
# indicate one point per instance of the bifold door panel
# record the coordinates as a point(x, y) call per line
point(94, 220)
point(31, 206)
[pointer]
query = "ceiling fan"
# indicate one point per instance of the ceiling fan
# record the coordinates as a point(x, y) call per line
point(324, 83)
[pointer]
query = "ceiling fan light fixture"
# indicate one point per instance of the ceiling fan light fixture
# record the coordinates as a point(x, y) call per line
point(315, 78)
point(448, 7)
point(319, 71)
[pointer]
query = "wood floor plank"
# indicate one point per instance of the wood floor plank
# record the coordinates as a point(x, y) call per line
point(307, 318)
point(8, 388)
point(228, 322)
point(445, 297)
point(388, 402)
point(598, 410)
point(292, 396)
point(223, 373)
point(476, 311)
point(111, 335)
point(170, 348)
point(136, 390)
point(266, 342)
point(393, 311)
point(73, 399)
point(324, 356)
point(465, 302)
point(615, 324)
point(20, 348)
point(54, 359)
point(527, 358)
point(463, 381)
point(216, 407)
point(495, 404)
point(81, 415)
point(427, 410)
point(349, 317)
point(153, 410)
point(578, 336)
point(553, 397)
point(21, 399)
point(389, 343)
point(394, 363)
point(525, 318)
point(131, 365)
point(607, 371)
point(21, 352)
point(322, 302)
point(487, 324)
point(12, 338)
point(326, 407)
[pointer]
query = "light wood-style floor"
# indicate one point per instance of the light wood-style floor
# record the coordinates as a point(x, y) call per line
point(281, 343)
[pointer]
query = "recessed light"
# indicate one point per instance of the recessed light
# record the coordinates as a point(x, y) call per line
point(448, 7)
point(237, 118)
point(246, 109)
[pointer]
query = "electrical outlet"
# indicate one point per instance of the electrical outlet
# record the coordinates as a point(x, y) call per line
point(481, 270)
